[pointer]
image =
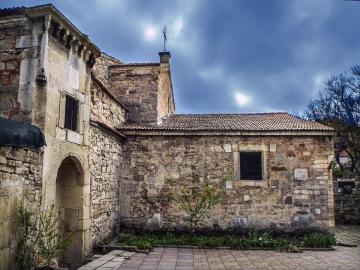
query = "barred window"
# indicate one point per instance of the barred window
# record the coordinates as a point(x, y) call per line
point(251, 165)
point(71, 113)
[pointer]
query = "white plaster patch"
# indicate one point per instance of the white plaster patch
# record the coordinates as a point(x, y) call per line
point(229, 184)
point(301, 174)
point(272, 147)
point(227, 148)
point(301, 197)
point(246, 198)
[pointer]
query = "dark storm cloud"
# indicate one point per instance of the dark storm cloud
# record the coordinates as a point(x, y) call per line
point(229, 56)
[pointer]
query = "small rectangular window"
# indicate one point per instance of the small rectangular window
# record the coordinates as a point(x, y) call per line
point(251, 166)
point(71, 113)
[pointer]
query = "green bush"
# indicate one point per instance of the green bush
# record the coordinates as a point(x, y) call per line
point(38, 239)
point(319, 240)
point(198, 203)
point(255, 239)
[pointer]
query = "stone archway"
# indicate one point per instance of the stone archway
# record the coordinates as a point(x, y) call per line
point(69, 200)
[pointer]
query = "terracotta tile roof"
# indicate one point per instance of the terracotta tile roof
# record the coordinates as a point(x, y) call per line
point(232, 122)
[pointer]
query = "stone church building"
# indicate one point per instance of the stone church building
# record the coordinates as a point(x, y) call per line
point(116, 149)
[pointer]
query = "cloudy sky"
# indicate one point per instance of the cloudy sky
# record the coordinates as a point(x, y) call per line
point(228, 56)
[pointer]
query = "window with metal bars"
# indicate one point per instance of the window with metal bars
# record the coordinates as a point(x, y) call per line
point(251, 166)
point(71, 113)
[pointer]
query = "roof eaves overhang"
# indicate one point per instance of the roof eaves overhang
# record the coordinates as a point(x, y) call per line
point(226, 133)
point(57, 16)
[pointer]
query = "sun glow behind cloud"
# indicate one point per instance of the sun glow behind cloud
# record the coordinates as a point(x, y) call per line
point(242, 99)
point(150, 32)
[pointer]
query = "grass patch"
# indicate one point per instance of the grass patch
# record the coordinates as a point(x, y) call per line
point(254, 239)
point(319, 240)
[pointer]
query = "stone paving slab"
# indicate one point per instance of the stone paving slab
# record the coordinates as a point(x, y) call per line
point(348, 234)
point(111, 261)
point(343, 258)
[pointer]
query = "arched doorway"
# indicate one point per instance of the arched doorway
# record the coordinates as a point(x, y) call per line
point(69, 200)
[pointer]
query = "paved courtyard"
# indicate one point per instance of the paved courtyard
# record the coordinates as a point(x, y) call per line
point(344, 258)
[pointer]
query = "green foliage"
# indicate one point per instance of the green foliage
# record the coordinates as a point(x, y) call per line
point(38, 236)
point(338, 106)
point(319, 240)
point(255, 239)
point(25, 252)
point(197, 203)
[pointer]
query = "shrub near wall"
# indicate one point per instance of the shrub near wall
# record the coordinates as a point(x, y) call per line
point(20, 174)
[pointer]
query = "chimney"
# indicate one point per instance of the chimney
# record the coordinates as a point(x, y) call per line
point(164, 57)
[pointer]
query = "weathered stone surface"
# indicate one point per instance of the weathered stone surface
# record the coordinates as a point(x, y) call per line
point(12, 57)
point(278, 201)
point(105, 159)
point(17, 182)
point(105, 108)
point(146, 90)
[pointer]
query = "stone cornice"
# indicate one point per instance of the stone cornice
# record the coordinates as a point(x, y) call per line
point(68, 33)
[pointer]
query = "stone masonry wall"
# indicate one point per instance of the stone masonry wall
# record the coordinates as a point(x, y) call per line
point(105, 108)
point(105, 159)
point(165, 104)
point(136, 87)
point(19, 53)
point(155, 167)
point(100, 68)
point(20, 177)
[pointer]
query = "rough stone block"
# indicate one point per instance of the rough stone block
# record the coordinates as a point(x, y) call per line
point(239, 222)
point(2, 160)
point(154, 222)
point(25, 41)
point(61, 134)
point(6, 168)
point(229, 184)
point(74, 137)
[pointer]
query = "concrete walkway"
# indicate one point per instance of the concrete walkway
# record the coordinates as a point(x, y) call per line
point(344, 258)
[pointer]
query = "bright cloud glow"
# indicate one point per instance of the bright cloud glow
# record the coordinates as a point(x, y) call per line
point(150, 33)
point(242, 99)
point(177, 27)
